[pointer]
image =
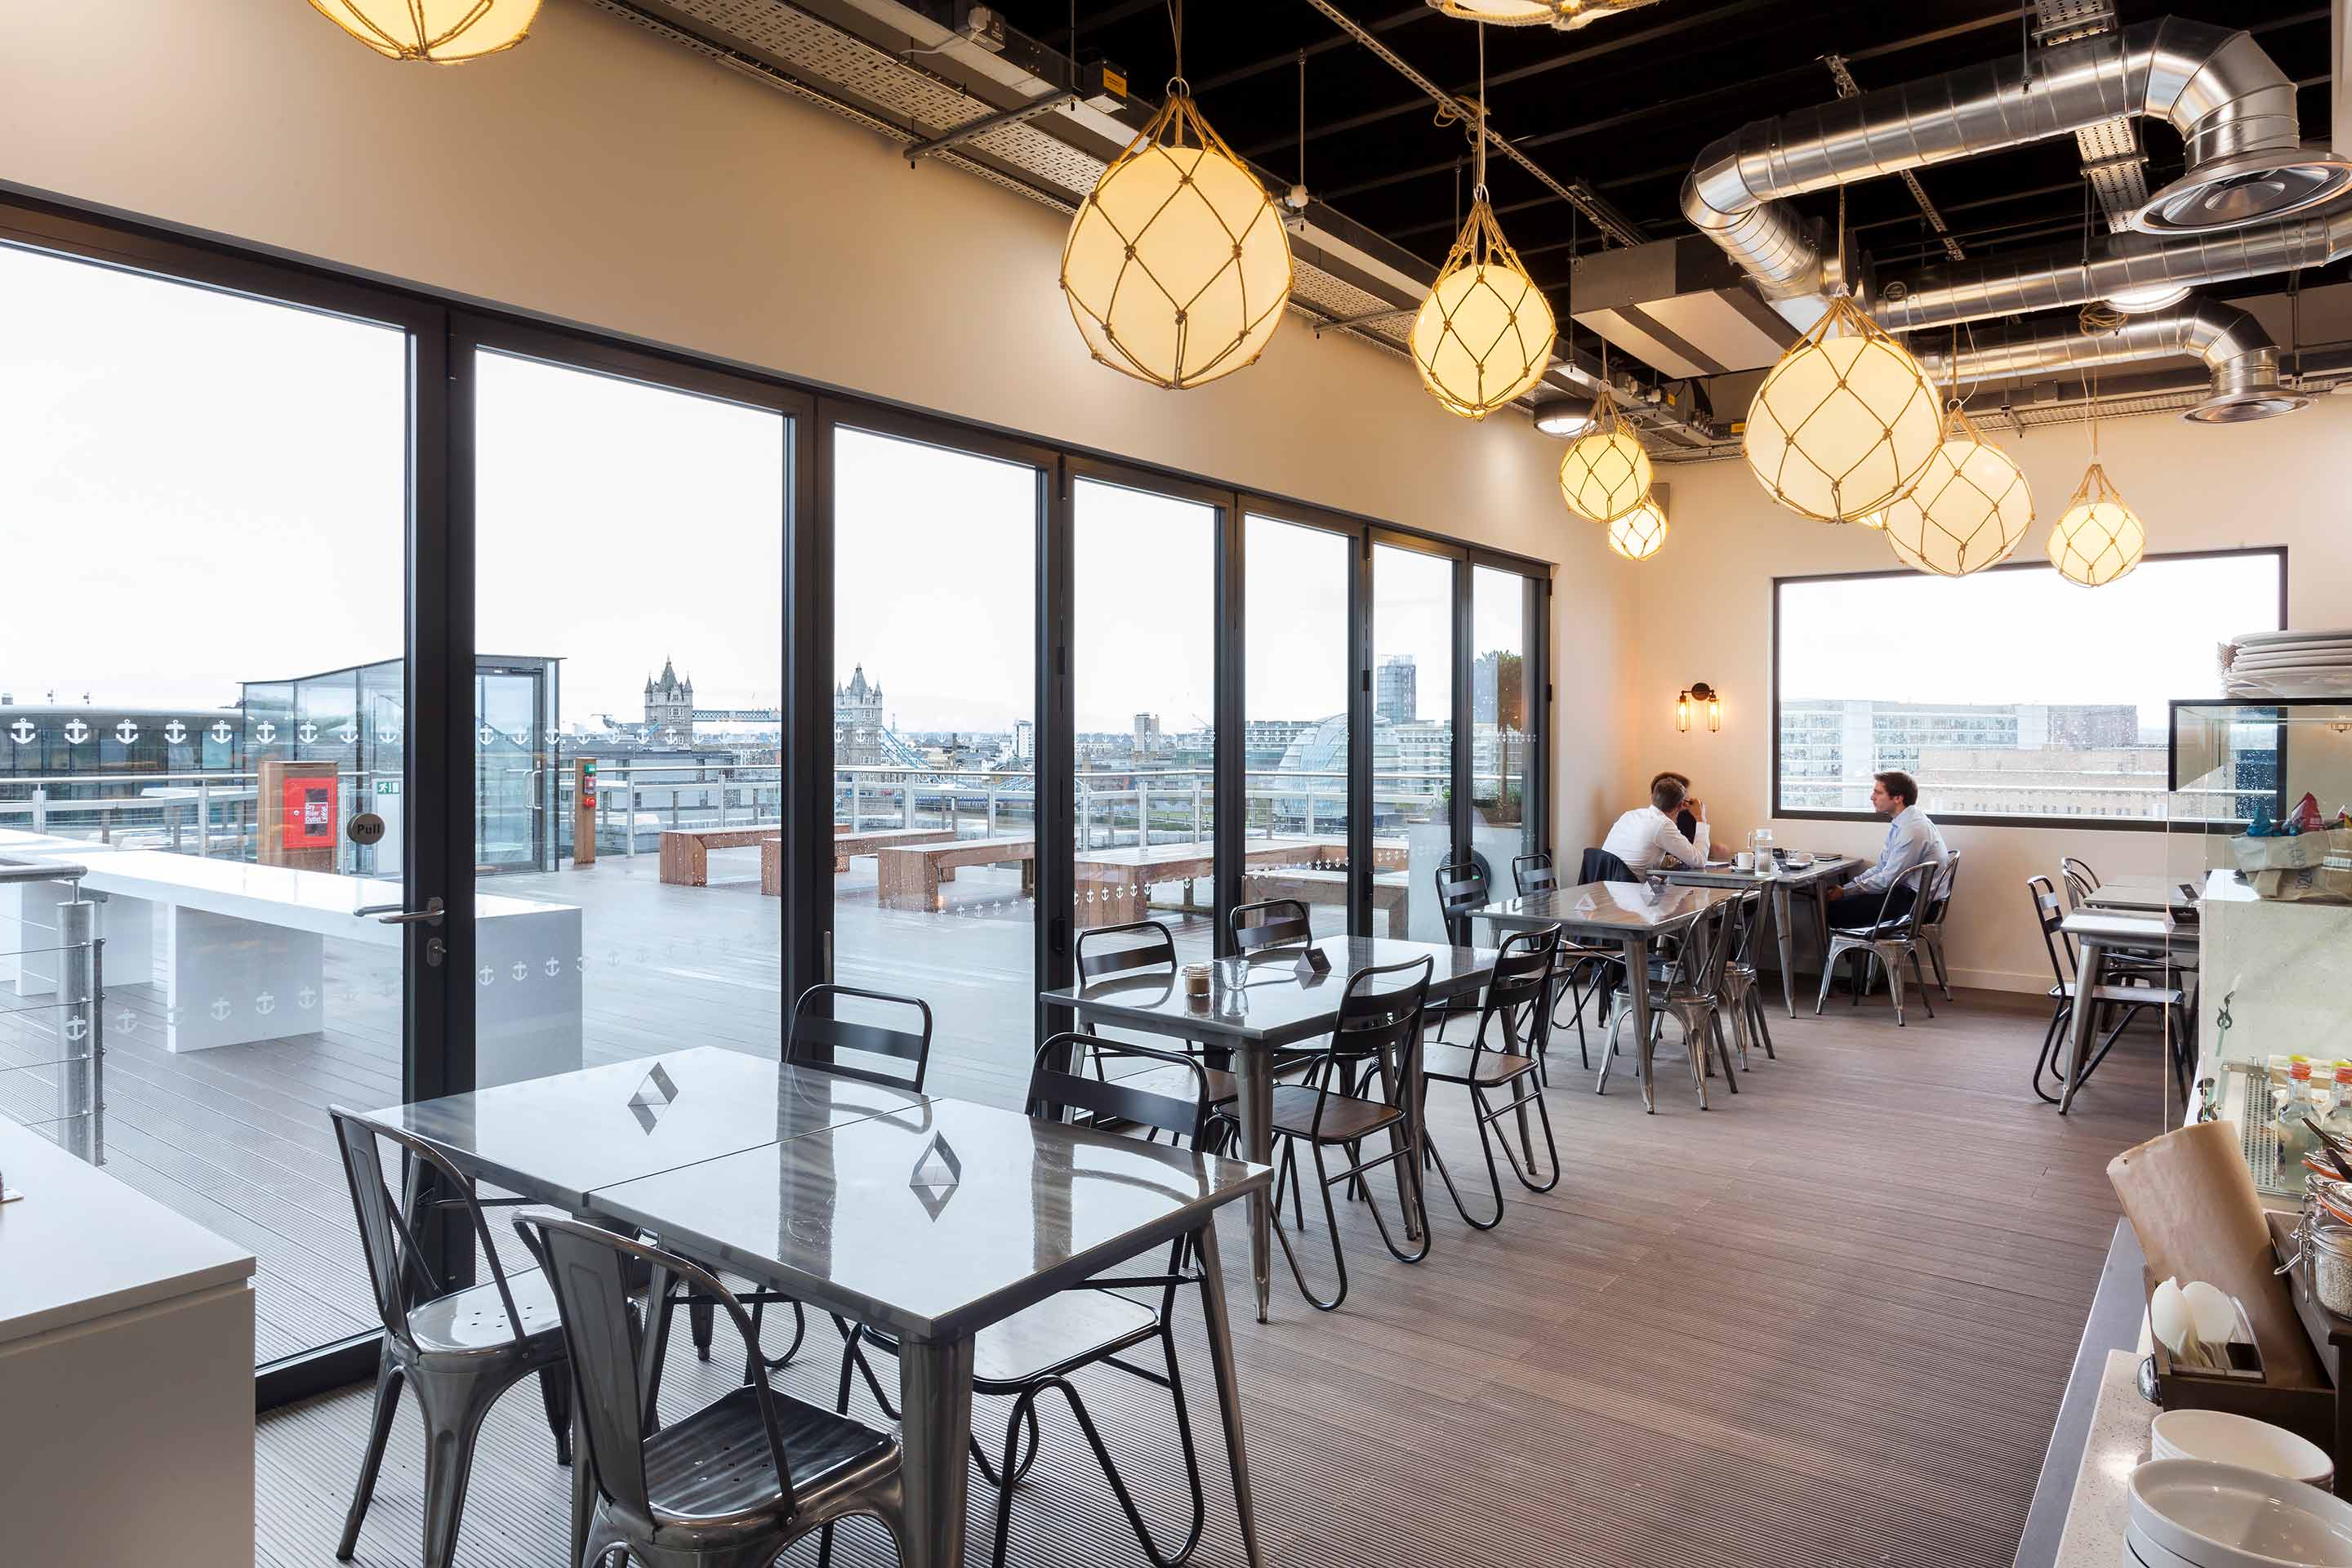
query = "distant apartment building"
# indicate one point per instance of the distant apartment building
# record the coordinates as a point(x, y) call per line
point(1396, 697)
point(2051, 759)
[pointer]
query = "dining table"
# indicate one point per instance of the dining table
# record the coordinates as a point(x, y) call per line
point(1782, 882)
point(2097, 933)
point(1633, 916)
point(929, 1219)
point(1281, 1000)
point(2143, 895)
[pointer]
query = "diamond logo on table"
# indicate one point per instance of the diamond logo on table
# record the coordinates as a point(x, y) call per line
point(936, 1173)
point(654, 1095)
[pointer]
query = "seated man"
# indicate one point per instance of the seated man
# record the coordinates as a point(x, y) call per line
point(1646, 838)
point(1910, 838)
point(1686, 820)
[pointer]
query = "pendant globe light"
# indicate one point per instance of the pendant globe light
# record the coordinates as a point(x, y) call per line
point(444, 31)
point(1638, 534)
point(2099, 538)
point(1846, 421)
point(1499, 13)
point(1605, 473)
point(1483, 335)
point(1177, 268)
point(1971, 508)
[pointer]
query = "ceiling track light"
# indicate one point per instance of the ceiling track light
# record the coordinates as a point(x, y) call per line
point(1563, 415)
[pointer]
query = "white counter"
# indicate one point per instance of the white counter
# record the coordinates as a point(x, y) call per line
point(126, 1372)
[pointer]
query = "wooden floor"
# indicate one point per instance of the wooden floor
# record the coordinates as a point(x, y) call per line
point(1825, 1323)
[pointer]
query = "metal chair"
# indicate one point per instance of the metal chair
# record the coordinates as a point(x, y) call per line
point(1743, 990)
point(1886, 942)
point(1689, 990)
point(815, 1040)
point(1577, 970)
point(1600, 866)
point(460, 1347)
point(1094, 1325)
point(2066, 995)
point(733, 1484)
point(1143, 948)
point(2070, 867)
point(1266, 926)
point(1377, 1034)
point(1931, 925)
point(1460, 887)
point(1516, 1007)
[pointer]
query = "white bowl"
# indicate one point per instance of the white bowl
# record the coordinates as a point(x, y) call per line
point(2226, 1516)
point(2229, 1440)
point(2139, 1552)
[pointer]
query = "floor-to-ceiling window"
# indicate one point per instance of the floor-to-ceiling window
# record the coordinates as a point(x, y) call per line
point(1143, 606)
point(1295, 736)
point(206, 497)
point(1413, 723)
point(1504, 713)
point(629, 541)
point(934, 731)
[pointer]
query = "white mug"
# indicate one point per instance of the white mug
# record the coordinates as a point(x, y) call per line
point(1744, 860)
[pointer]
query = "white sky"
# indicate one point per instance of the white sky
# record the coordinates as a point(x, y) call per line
point(2025, 636)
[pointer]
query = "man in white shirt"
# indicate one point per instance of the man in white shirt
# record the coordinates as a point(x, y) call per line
point(1646, 838)
point(1910, 839)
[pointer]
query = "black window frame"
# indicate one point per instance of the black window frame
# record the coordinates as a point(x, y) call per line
point(1987, 819)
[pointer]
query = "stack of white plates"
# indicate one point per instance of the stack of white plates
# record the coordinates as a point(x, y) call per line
point(2194, 1513)
point(2229, 1440)
point(2287, 664)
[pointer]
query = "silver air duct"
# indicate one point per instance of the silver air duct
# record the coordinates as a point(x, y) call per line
point(2233, 107)
point(2239, 356)
point(2131, 269)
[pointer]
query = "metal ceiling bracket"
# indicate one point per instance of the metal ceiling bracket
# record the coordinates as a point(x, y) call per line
point(1340, 323)
point(1017, 115)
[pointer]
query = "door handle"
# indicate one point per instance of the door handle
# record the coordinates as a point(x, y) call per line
point(397, 916)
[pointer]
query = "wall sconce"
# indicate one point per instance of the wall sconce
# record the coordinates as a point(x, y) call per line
point(1700, 691)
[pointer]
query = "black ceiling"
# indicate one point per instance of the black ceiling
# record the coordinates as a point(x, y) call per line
point(1625, 104)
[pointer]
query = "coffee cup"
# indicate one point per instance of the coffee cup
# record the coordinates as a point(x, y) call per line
point(1196, 980)
point(1744, 860)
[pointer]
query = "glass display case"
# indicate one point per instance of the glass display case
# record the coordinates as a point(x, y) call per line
point(2257, 832)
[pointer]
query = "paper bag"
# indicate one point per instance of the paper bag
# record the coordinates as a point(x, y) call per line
point(2190, 1198)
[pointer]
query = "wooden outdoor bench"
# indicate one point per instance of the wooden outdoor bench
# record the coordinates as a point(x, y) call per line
point(866, 841)
point(911, 874)
point(686, 851)
point(1309, 886)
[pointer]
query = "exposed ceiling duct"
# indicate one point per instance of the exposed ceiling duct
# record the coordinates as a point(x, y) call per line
point(2239, 355)
point(2233, 107)
point(2127, 268)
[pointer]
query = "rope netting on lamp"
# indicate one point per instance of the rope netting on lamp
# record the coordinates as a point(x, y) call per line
point(2097, 538)
point(1971, 508)
point(1177, 268)
point(1846, 421)
point(1605, 473)
point(439, 30)
point(1638, 534)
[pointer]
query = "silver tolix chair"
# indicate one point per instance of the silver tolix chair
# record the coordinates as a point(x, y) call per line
point(460, 1348)
point(1886, 942)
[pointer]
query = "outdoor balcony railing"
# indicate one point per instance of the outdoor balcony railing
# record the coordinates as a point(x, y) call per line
point(55, 1027)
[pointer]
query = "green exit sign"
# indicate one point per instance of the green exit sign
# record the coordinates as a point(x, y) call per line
point(387, 786)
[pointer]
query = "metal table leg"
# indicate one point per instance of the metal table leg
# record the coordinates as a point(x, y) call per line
point(1783, 908)
point(935, 1426)
point(1637, 990)
point(1228, 1396)
point(1254, 1065)
point(2088, 975)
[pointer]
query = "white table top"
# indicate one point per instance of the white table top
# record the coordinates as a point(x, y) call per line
point(320, 901)
point(81, 1244)
point(2094, 1537)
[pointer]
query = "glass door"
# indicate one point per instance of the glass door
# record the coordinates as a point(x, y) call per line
point(1503, 719)
point(204, 714)
point(1413, 673)
point(1297, 729)
point(629, 527)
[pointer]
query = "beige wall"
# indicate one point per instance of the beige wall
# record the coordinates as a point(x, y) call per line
point(599, 175)
point(2278, 481)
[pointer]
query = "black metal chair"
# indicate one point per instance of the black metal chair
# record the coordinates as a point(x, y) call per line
point(460, 1347)
point(1516, 1007)
point(1886, 942)
point(2066, 996)
point(1460, 887)
point(2070, 867)
point(815, 1039)
point(1268, 926)
point(1377, 1036)
point(1600, 866)
point(1144, 948)
point(1578, 970)
point(1095, 1324)
point(731, 1485)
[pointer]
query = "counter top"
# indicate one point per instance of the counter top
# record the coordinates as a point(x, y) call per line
point(81, 1244)
point(2095, 1524)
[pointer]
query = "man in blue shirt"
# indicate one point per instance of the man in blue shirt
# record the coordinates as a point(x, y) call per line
point(1910, 839)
